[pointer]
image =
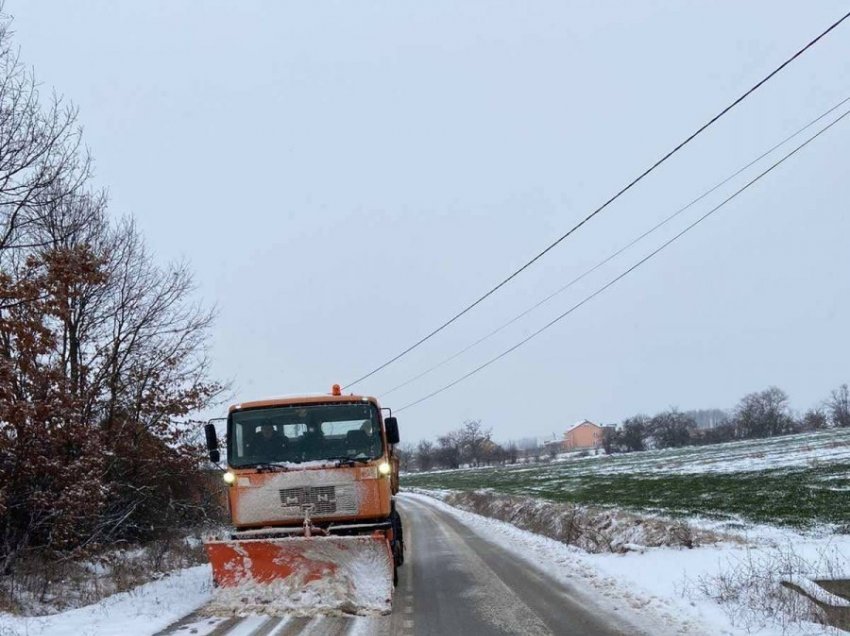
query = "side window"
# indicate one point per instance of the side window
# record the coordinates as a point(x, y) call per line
point(240, 441)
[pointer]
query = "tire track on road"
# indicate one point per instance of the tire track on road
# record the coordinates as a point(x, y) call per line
point(457, 591)
point(557, 608)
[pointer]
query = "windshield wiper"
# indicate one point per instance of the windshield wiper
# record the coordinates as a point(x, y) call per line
point(265, 465)
point(350, 461)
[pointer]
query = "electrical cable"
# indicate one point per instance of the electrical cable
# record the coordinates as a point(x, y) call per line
point(628, 271)
point(604, 205)
point(617, 253)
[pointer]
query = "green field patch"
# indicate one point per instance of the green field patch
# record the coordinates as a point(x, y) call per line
point(798, 497)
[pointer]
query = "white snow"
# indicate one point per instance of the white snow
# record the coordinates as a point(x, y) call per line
point(817, 592)
point(784, 452)
point(257, 503)
point(362, 585)
point(674, 574)
point(581, 423)
point(144, 610)
point(355, 578)
point(658, 583)
point(655, 585)
point(310, 465)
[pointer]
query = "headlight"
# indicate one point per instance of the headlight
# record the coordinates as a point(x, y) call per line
point(229, 477)
point(384, 468)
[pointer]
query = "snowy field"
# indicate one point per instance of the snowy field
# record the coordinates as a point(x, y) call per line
point(802, 481)
point(786, 452)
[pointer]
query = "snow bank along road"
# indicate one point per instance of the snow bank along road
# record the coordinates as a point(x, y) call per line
point(454, 581)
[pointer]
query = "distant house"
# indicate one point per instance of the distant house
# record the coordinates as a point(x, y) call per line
point(583, 435)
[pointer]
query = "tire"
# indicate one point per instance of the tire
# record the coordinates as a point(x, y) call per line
point(398, 537)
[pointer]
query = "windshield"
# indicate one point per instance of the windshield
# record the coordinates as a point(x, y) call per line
point(304, 433)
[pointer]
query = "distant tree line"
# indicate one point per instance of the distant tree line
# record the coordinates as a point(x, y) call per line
point(102, 351)
point(762, 414)
point(469, 445)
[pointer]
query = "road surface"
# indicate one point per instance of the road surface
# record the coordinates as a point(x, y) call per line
point(453, 581)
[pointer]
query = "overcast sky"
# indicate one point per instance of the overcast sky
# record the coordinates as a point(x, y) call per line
point(344, 176)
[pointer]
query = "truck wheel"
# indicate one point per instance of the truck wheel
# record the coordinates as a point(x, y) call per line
point(398, 537)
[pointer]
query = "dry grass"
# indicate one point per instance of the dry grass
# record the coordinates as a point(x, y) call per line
point(751, 592)
point(591, 529)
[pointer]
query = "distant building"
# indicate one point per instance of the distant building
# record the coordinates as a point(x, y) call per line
point(583, 435)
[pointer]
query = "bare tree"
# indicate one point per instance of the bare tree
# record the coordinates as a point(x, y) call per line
point(763, 414)
point(512, 453)
point(425, 455)
point(839, 406)
point(474, 439)
point(634, 433)
point(448, 451)
point(723, 432)
point(671, 429)
point(407, 457)
point(41, 158)
point(612, 440)
point(814, 419)
point(491, 453)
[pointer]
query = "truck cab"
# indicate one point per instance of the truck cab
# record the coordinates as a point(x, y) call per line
point(311, 466)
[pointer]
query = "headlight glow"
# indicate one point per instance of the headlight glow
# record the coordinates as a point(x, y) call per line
point(229, 477)
point(384, 468)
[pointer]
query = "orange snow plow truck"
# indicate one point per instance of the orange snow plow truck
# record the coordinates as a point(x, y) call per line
point(311, 484)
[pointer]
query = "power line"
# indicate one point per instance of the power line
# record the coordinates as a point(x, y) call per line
point(604, 205)
point(617, 253)
point(628, 271)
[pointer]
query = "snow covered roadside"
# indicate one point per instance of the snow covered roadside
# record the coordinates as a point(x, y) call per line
point(139, 612)
point(681, 576)
point(658, 584)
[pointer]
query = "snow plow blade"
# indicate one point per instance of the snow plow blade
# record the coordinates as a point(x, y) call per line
point(324, 574)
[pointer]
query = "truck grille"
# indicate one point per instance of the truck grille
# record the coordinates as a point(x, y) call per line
point(325, 500)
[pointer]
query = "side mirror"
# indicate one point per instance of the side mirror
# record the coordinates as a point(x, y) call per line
point(391, 425)
point(212, 442)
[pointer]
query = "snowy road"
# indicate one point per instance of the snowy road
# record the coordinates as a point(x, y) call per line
point(454, 581)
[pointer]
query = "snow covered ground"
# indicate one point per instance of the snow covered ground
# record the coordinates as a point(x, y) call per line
point(666, 581)
point(664, 586)
point(144, 610)
point(795, 480)
point(787, 451)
